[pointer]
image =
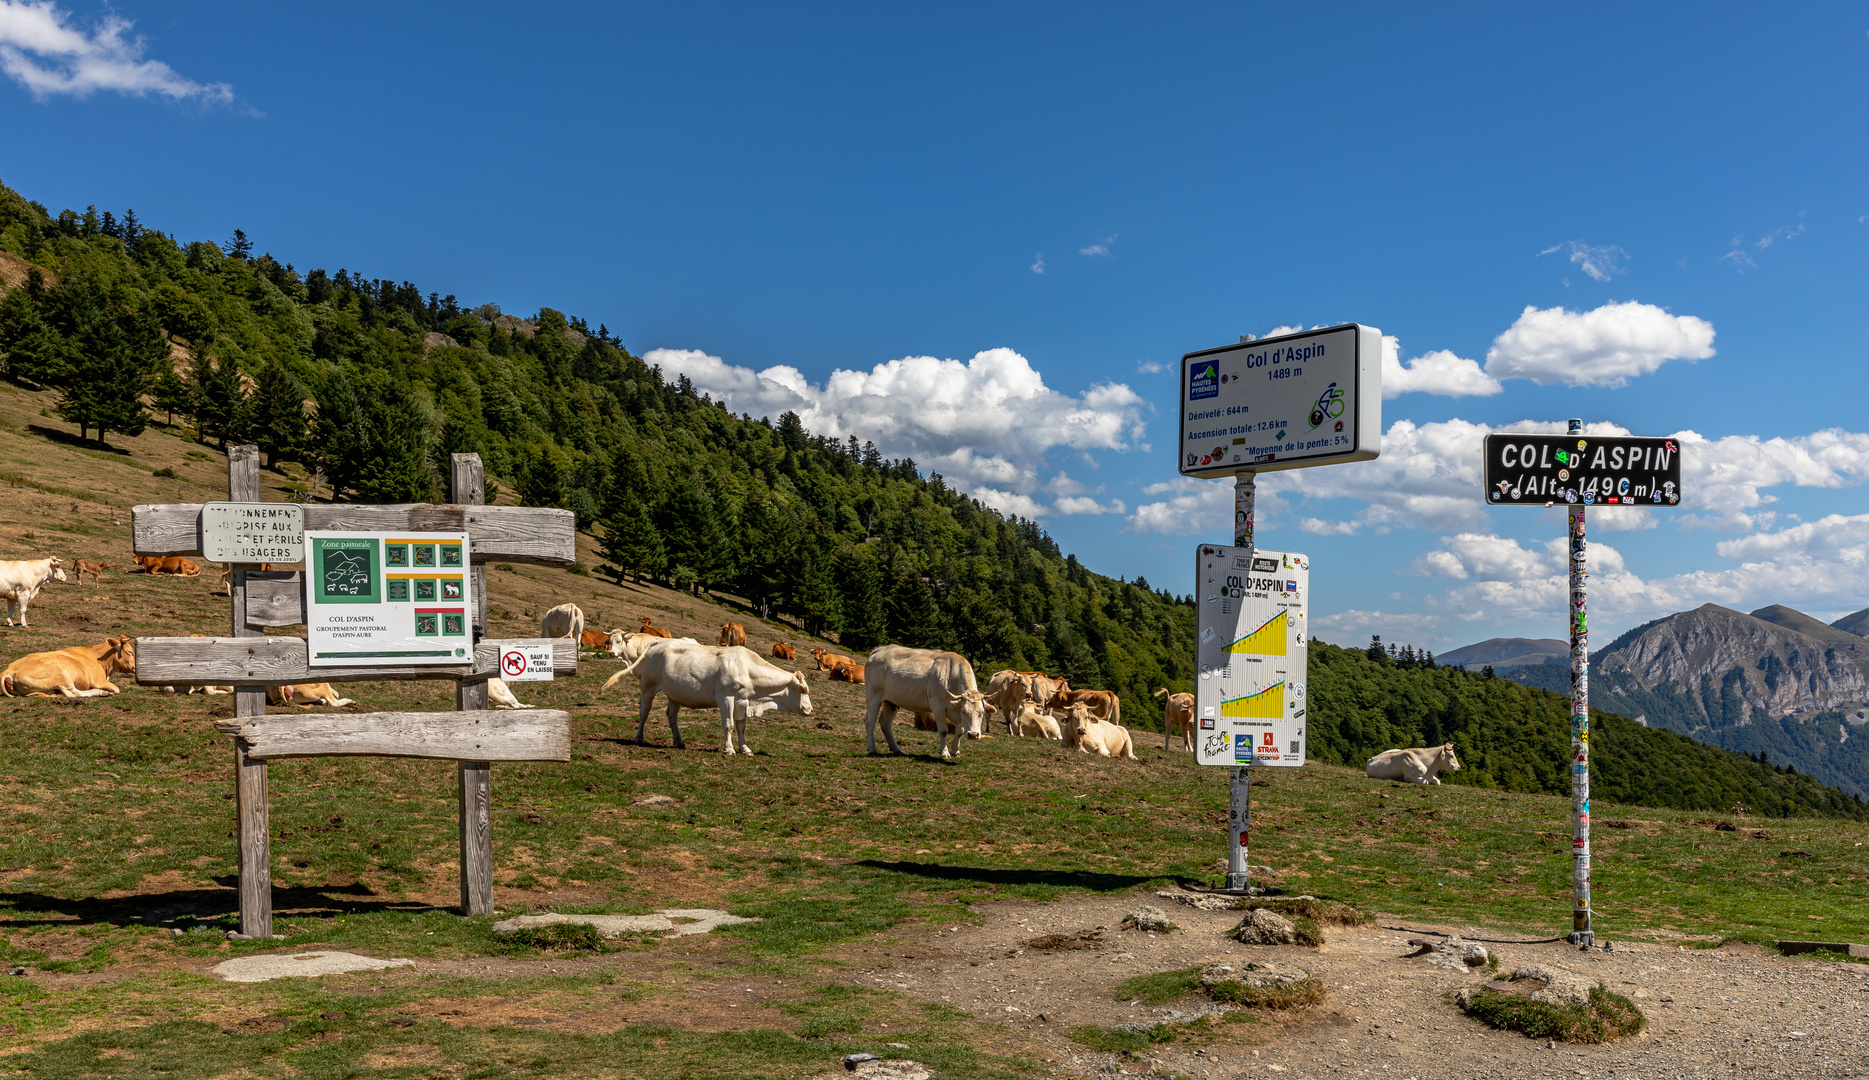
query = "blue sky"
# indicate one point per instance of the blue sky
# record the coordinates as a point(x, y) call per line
point(863, 197)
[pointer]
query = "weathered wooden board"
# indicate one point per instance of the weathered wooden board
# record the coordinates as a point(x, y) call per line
point(542, 535)
point(519, 735)
point(265, 661)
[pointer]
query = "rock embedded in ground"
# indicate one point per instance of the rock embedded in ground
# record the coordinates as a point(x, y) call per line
point(1262, 927)
point(653, 799)
point(1455, 954)
point(871, 1067)
point(1148, 918)
point(1265, 975)
point(674, 922)
point(1561, 987)
point(299, 965)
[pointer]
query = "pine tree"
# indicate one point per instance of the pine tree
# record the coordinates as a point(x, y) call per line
point(339, 433)
point(630, 539)
point(278, 413)
point(32, 351)
point(171, 393)
point(239, 247)
point(109, 365)
point(860, 589)
point(221, 404)
point(396, 469)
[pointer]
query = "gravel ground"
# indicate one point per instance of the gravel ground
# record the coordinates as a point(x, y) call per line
point(1728, 1012)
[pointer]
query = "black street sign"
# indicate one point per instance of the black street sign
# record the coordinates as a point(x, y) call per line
point(1618, 470)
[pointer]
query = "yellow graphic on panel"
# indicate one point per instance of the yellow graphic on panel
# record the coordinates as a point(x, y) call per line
point(1269, 640)
point(1267, 704)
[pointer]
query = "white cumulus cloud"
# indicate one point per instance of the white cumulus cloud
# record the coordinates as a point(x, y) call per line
point(1602, 347)
point(988, 423)
point(45, 52)
point(1438, 372)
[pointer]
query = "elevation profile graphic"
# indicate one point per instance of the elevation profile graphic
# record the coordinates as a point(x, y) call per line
point(1267, 704)
point(1269, 640)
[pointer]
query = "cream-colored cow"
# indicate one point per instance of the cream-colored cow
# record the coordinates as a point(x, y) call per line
point(1093, 736)
point(1034, 723)
point(1415, 766)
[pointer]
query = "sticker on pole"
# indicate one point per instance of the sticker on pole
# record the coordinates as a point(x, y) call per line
point(526, 663)
point(1250, 700)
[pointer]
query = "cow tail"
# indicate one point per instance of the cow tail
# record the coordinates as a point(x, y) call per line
point(6, 684)
point(1160, 692)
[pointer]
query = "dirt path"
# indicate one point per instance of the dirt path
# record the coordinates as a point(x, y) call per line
point(1724, 1012)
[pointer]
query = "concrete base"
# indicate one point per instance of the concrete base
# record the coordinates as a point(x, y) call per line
point(1792, 948)
point(290, 965)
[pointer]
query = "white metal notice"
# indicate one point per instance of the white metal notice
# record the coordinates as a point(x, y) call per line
point(388, 598)
point(262, 532)
point(526, 663)
point(1249, 704)
point(1282, 403)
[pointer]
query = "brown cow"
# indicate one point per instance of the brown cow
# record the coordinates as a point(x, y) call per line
point(850, 673)
point(656, 630)
point(1104, 704)
point(80, 671)
point(783, 651)
point(168, 564)
point(95, 569)
point(830, 660)
point(594, 639)
point(1177, 717)
point(732, 633)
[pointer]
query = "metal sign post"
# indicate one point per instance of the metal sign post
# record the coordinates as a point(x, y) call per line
point(1312, 398)
point(1578, 471)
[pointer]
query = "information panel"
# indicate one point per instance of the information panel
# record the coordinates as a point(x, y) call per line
point(1620, 470)
point(1283, 402)
point(1249, 702)
point(252, 532)
point(388, 598)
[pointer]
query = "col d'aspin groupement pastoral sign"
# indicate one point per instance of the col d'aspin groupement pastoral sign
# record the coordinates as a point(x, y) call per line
point(388, 598)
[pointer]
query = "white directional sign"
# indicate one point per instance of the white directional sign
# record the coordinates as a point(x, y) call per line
point(526, 663)
point(259, 532)
point(1281, 403)
point(388, 598)
point(1250, 699)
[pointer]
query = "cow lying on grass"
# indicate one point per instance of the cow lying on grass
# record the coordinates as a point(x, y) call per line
point(732, 678)
point(80, 671)
point(1089, 735)
point(1034, 723)
point(1416, 766)
point(305, 695)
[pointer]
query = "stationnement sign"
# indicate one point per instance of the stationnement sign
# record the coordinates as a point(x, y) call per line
point(1283, 402)
point(388, 598)
point(1250, 699)
point(526, 663)
point(260, 532)
point(1615, 470)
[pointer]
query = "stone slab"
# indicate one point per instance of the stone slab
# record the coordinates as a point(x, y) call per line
point(300, 965)
point(672, 922)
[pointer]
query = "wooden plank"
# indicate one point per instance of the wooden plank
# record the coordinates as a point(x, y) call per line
point(474, 779)
point(542, 535)
point(516, 735)
point(270, 661)
point(250, 796)
point(275, 598)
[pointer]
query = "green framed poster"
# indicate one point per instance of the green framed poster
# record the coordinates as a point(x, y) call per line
point(388, 599)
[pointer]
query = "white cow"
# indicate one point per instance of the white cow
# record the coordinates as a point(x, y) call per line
point(732, 678)
point(565, 620)
point(940, 684)
point(630, 647)
point(1035, 723)
point(1417, 766)
point(500, 696)
point(21, 580)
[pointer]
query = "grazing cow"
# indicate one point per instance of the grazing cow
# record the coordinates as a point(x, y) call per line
point(850, 673)
point(784, 652)
point(95, 569)
point(80, 671)
point(1009, 691)
point(1104, 704)
point(565, 620)
point(1031, 723)
point(734, 679)
point(732, 633)
point(21, 580)
point(1090, 735)
point(594, 639)
point(655, 630)
point(305, 695)
point(940, 684)
point(500, 696)
point(1177, 717)
point(1416, 766)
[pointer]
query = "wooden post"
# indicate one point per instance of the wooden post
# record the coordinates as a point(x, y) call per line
point(256, 865)
point(475, 779)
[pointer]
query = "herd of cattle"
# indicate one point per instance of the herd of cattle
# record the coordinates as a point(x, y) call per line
point(937, 688)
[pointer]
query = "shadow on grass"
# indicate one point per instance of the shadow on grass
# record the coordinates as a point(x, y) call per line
point(68, 439)
point(993, 875)
point(150, 909)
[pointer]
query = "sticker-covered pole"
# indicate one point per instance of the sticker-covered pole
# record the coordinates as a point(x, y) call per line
point(1581, 932)
point(1239, 810)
